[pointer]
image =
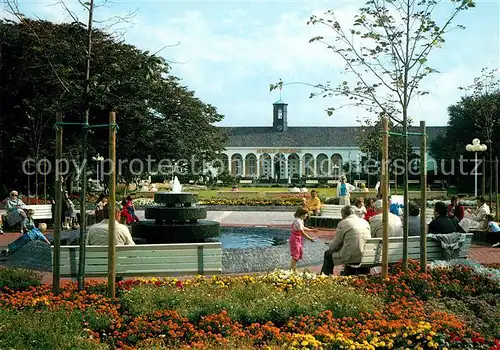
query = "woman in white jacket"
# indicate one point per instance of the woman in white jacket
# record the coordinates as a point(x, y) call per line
point(343, 192)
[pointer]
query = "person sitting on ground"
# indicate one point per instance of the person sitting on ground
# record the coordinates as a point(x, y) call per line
point(30, 235)
point(456, 211)
point(394, 223)
point(29, 223)
point(98, 234)
point(15, 210)
point(370, 209)
point(314, 204)
point(359, 207)
point(441, 223)
point(234, 189)
point(414, 226)
point(349, 242)
point(476, 219)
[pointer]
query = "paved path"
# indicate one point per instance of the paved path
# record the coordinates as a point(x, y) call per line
point(239, 218)
point(481, 254)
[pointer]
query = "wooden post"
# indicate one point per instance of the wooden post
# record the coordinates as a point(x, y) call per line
point(423, 196)
point(385, 197)
point(484, 177)
point(112, 207)
point(45, 184)
point(395, 183)
point(496, 188)
point(56, 271)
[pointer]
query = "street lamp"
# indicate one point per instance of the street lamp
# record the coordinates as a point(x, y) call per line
point(98, 159)
point(475, 147)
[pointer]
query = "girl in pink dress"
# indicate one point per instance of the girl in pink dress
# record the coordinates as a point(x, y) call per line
point(298, 230)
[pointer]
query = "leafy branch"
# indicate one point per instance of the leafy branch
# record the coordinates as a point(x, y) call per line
point(486, 111)
point(386, 50)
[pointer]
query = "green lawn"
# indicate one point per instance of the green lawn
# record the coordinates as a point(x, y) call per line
point(327, 192)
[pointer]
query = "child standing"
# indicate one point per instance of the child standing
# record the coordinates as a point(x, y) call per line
point(298, 230)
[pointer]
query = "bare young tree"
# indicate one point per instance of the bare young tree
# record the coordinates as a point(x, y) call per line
point(385, 52)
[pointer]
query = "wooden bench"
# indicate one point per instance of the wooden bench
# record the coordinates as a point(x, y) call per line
point(331, 210)
point(239, 194)
point(372, 254)
point(246, 182)
point(330, 216)
point(312, 182)
point(146, 260)
point(41, 211)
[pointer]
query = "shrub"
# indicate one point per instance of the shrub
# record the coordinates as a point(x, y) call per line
point(258, 303)
point(16, 278)
point(45, 329)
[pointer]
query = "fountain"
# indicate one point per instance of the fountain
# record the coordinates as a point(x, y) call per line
point(176, 219)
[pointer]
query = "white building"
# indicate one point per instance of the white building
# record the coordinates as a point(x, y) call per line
point(282, 152)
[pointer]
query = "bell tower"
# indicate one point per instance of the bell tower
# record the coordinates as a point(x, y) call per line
point(279, 115)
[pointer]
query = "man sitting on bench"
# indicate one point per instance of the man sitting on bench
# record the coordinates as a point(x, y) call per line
point(349, 243)
point(98, 234)
point(314, 204)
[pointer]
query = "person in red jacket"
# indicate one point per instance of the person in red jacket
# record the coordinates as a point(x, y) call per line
point(370, 210)
point(456, 211)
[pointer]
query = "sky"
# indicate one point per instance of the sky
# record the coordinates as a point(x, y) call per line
point(229, 52)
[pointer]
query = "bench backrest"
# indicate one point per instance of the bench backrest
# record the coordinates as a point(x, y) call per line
point(331, 210)
point(146, 260)
point(372, 255)
point(41, 211)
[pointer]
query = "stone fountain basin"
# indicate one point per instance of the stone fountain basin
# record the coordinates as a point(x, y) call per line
point(188, 232)
point(175, 213)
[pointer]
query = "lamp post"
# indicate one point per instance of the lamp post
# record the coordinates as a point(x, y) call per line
point(98, 159)
point(475, 147)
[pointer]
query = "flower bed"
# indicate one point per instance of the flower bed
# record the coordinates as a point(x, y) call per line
point(450, 307)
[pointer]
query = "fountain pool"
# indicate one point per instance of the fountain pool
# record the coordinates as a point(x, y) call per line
point(233, 237)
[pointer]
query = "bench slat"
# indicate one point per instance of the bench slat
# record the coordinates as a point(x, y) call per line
point(150, 247)
point(145, 254)
point(372, 255)
point(151, 260)
point(134, 261)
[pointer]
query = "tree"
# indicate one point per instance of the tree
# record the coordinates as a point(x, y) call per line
point(486, 114)
point(386, 51)
point(370, 138)
point(155, 113)
point(462, 128)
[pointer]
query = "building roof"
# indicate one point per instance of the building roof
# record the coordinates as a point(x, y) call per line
point(309, 136)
